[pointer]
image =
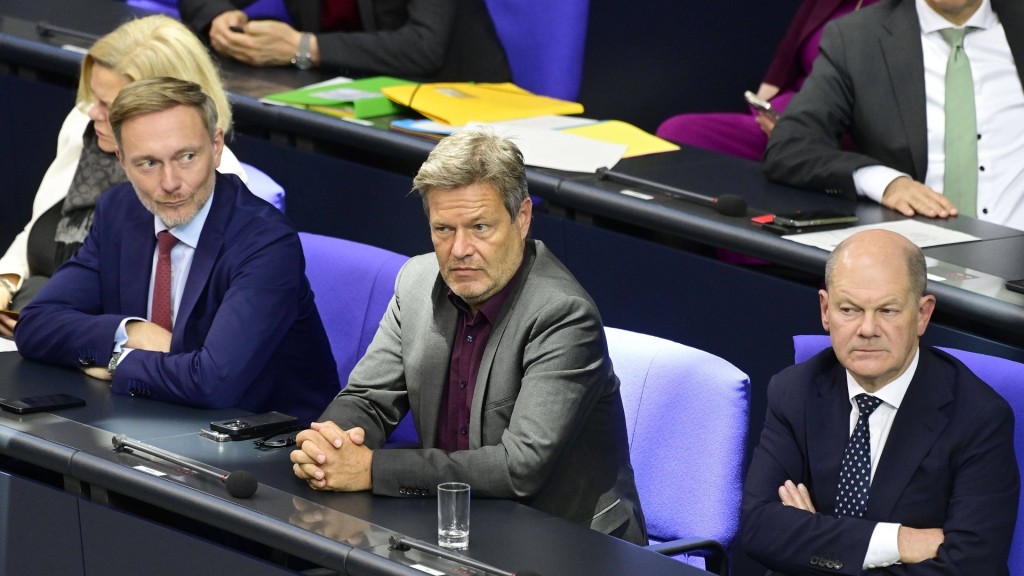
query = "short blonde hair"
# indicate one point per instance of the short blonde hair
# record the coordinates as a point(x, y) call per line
point(159, 94)
point(154, 47)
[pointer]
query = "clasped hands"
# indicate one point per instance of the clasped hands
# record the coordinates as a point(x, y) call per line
point(915, 544)
point(331, 458)
point(260, 43)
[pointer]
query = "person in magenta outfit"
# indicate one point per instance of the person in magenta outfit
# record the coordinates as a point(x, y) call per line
point(746, 135)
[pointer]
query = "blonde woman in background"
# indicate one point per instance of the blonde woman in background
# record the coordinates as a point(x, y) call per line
point(86, 164)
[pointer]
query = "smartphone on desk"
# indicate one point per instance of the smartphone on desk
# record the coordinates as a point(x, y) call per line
point(255, 425)
point(761, 105)
point(45, 403)
point(1015, 286)
point(811, 218)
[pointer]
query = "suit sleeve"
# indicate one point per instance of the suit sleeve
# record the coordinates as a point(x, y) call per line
point(564, 375)
point(418, 48)
point(786, 539)
point(259, 305)
point(65, 323)
point(982, 509)
point(805, 147)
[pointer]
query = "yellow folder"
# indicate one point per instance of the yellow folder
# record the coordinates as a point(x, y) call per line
point(456, 103)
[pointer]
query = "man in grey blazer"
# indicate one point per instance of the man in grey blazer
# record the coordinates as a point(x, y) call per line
point(880, 78)
point(499, 353)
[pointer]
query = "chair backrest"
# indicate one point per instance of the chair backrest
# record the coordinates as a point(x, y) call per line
point(353, 284)
point(169, 7)
point(686, 413)
point(1005, 376)
point(262, 185)
point(544, 42)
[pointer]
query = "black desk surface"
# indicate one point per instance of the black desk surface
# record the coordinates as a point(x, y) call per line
point(284, 513)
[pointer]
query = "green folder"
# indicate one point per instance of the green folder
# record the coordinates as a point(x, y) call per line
point(356, 99)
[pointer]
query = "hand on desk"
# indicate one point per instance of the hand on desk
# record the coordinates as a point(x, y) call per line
point(909, 197)
point(330, 458)
point(261, 43)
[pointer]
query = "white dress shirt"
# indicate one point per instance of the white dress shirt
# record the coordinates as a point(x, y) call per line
point(883, 548)
point(999, 101)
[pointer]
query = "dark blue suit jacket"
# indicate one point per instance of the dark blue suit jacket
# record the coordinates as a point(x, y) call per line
point(247, 332)
point(948, 463)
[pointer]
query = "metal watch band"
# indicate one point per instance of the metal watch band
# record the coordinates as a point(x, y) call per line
point(304, 57)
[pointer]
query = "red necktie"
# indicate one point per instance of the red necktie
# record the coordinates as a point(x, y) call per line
point(161, 312)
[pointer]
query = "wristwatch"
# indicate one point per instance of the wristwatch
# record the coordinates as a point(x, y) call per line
point(112, 365)
point(304, 57)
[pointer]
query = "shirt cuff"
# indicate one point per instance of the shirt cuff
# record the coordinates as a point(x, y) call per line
point(883, 548)
point(871, 181)
point(121, 335)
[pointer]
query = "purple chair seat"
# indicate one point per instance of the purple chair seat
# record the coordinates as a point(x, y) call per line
point(1005, 376)
point(686, 415)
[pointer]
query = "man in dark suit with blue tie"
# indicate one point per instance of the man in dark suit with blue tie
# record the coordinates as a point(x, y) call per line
point(221, 314)
point(879, 456)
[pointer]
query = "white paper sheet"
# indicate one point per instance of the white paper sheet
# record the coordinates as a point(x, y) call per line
point(561, 151)
point(920, 233)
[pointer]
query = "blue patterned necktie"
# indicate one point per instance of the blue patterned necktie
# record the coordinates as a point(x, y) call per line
point(855, 476)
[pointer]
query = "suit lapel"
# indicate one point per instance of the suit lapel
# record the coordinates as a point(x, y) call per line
point(137, 256)
point(211, 241)
point(435, 365)
point(828, 431)
point(904, 61)
point(918, 424)
point(483, 376)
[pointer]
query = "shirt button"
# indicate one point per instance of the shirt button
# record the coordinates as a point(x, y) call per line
point(984, 210)
point(462, 385)
point(982, 168)
point(469, 338)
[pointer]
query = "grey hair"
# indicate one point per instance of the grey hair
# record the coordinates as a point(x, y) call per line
point(471, 156)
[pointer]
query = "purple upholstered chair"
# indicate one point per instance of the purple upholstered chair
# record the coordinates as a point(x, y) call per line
point(353, 284)
point(1005, 376)
point(544, 43)
point(686, 414)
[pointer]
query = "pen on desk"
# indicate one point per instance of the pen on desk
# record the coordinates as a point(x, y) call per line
point(726, 204)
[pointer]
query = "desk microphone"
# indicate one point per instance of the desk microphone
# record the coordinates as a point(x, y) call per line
point(726, 204)
point(403, 543)
point(240, 484)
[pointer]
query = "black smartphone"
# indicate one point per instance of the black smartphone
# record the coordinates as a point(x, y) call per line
point(802, 219)
point(256, 425)
point(46, 403)
point(1015, 285)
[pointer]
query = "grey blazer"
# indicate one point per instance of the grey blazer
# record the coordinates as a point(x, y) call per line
point(868, 81)
point(546, 425)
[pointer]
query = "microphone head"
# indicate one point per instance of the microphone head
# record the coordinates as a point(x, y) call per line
point(730, 205)
point(241, 484)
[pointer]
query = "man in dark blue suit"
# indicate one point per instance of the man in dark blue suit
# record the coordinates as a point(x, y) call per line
point(223, 314)
point(935, 443)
